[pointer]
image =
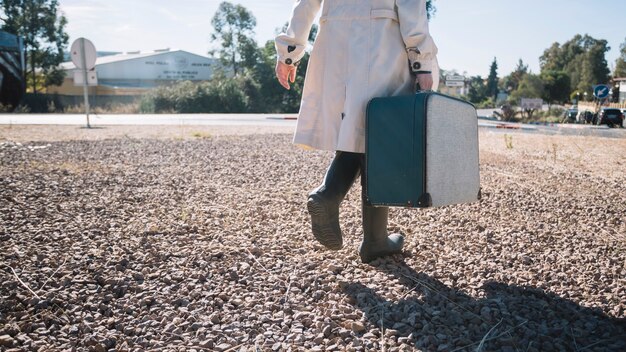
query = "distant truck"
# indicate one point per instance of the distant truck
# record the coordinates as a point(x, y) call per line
point(12, 67)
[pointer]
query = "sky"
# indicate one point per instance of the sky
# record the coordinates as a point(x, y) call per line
point(469, 34)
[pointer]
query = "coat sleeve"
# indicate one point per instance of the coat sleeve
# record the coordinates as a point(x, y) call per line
point(421, 48)
point(290, 46)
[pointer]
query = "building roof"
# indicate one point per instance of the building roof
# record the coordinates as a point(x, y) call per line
point(9, 41)
point(109, 59)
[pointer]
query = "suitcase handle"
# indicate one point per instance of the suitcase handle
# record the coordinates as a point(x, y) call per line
point(419, 89)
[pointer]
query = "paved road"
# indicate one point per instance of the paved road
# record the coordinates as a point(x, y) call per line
point(151, 119)
point(275, 120)
point(554, 129)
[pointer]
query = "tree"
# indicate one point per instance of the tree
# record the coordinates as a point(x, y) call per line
point(277, 99)
point(595, 69)
point(512, 81)
point(582, 58)
point(41, 26)
point(430, 8)
point(477, 90)
point(492, 80)
point(234, 31)
point(556, 86)
point(531, 86)
point(620, 63)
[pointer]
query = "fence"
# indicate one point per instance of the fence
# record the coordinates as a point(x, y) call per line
point(41, 103)
point(102, 101)
point(591, 106)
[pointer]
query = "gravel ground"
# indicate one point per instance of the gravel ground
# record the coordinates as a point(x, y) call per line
point(183, 240)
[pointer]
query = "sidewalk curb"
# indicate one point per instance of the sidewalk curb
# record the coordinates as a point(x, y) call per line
point(282, 117)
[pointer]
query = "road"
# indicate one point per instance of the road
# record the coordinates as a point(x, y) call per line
point(275, 120)
point(151, 119)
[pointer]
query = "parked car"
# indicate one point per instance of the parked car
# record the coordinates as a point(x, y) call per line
point(570, 115)
point(611, 116)
point(586, 116)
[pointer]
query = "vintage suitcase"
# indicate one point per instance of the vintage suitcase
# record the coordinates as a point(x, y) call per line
point(421, 151)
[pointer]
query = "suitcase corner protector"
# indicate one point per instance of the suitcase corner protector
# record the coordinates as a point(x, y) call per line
point(425, 200)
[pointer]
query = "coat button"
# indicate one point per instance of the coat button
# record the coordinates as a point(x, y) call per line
point(288, 61)
point(416, 66)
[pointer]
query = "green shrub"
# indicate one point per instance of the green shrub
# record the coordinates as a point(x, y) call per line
point(485, 104)
point(555, 112)
point(146, 105)
point(240, 94)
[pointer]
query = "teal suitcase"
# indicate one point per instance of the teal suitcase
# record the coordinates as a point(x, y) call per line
point(421, 151)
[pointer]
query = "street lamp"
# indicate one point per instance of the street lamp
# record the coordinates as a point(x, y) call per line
point(585, 94)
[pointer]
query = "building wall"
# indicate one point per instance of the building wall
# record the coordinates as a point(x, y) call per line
point(130, 75)
point(451, 91)
point(175, 65)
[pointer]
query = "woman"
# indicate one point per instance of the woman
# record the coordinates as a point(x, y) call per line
point(364, 49)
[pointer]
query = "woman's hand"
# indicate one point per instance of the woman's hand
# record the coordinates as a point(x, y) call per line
point(424, 81)
point(285, 74)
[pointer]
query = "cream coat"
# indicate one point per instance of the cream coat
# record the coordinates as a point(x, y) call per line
point(360, 53)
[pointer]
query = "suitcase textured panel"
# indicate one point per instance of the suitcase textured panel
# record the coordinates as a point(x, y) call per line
point(421, 151)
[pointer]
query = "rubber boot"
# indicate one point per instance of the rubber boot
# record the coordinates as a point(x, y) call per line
point(323, 203)
point(376, 243)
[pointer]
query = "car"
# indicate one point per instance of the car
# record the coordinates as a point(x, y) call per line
point(586, 116)
point(611, 117)
point(570, 115)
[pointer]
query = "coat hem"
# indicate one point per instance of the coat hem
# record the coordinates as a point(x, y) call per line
point(307, 144)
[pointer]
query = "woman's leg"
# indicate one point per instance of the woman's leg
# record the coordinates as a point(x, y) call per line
point(323, 203)
point(376, 242)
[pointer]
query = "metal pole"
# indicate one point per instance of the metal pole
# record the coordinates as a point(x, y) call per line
point(20, 43)
point(85, 83)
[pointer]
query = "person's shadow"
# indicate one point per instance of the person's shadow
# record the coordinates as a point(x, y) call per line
point(435, 317)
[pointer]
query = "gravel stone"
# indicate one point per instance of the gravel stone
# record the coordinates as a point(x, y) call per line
point(6, 341)
point(358, 327)
point(152, 239)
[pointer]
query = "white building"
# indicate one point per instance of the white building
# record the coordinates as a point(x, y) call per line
point(621, 85)
point(134, 73)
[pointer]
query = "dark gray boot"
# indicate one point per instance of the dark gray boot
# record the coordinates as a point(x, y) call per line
point(323, 203)
point(376, 243)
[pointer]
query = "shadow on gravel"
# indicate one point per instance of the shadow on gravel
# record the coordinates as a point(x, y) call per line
point(435, 317)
